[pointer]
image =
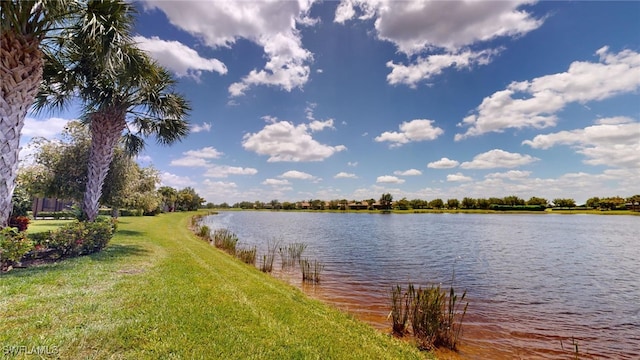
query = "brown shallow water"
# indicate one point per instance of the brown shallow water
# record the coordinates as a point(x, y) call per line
point(534, 282)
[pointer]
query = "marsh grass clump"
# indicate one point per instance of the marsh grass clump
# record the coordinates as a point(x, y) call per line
point(400, 309)
point(267, 260)
point(225, 240)
point(435, 314)
point(204, 232)
point(291, 254)
point(311, 270)
point(247, 255)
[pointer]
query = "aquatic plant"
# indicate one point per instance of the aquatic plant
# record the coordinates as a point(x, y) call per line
point(247, 255)
point(204, 232)
point(267, 259)
point(290, 254)
point(436, 315)
point(226, 240)
point(311, 270)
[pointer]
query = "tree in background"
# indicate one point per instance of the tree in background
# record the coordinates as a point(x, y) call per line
point(635, 202)
point(436, 204)
point(453, 204)
point(569, 203)
point(188, 200)
point(537, 201)
point(169, 198)
point(403, 204)
point(468, 203)
point(385, 201)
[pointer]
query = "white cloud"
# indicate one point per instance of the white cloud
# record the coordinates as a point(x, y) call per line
point(345, 175)
point(414, 130)
point(269, 24)
point(443, 163)
point(511, 175)
point(179, 58)
point(196, 128)
point(410, 172)
point(497, 158)
point(317, 125)
point(190, 161)
point(205, 153)
point(535, 103)
point(415, 26)
point(176, 181)
point(611, 142)
point(283, 141)
point(388, 179)
point(427, 67)
point(276, 182)
point(450, 27)
point(295, 174)
point(222, 171)
point(458, 177)
point(48, 128)
point(352, 163)
point(197, 158)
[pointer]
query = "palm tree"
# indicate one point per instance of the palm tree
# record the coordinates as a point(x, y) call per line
point(27, 29)
point(24, 25)
point(127, 100)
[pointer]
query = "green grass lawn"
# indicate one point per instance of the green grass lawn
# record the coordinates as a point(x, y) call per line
point(37, 226)
point(159, 292)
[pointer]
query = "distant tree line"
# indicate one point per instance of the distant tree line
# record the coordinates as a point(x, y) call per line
point(386, 202)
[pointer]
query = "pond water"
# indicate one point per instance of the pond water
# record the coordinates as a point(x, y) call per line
point(533, 282)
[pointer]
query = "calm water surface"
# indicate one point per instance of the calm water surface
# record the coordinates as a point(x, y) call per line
point(533, 282)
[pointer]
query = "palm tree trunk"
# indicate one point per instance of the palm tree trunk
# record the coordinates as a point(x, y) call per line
point(20, 76)
point(106, 130)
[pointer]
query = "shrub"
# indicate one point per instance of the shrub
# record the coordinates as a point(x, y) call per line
point(57, 214)
point(204, 232)
point(14, 245)
point(80, 238)
point(20, 222)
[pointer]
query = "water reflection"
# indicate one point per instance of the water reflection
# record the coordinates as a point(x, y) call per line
point(533, 281)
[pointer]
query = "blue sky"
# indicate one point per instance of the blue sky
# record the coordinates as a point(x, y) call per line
point(423, 99)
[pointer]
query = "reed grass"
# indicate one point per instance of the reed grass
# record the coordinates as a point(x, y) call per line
point(436, 315)
point(291, 254)
point(311, 270)
point(226, 240)
point(247, 255)
point(267, 260)
point(204, 232)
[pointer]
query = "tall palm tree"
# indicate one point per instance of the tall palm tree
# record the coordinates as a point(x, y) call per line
point(23, 27)
point(27, 27)
point(127, 101)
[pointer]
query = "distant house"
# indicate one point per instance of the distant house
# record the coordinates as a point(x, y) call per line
point(49, 205)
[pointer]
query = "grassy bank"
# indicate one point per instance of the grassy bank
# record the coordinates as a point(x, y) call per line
point(159, 292)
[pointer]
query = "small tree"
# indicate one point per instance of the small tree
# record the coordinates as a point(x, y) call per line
point(386, 200)
point(453, 203)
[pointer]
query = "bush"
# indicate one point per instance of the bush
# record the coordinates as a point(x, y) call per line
point(81, 238)
point(57, 214)
point(14, 245)
point(20, 222)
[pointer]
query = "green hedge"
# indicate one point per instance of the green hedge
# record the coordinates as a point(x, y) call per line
point(517, 207)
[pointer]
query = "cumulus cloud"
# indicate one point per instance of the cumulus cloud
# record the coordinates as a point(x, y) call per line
point(276, 182)
point(444, 163)
point(447, 28)
point(388, 179)
point(269, 24)
point(179, 58)
point(345, 175)
point(196, 128)
point(410, 172)
point(47, 128)
point(176, 181)
point(197, 158)
point(294, 174)
point(611, 142)
point(205, 153)
point(222, 171)
point(458, 177)
point(535, 103)
point(414, 130)
point(510, 175)
point(427, 67)
point(284, 141)
point(497, 158)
